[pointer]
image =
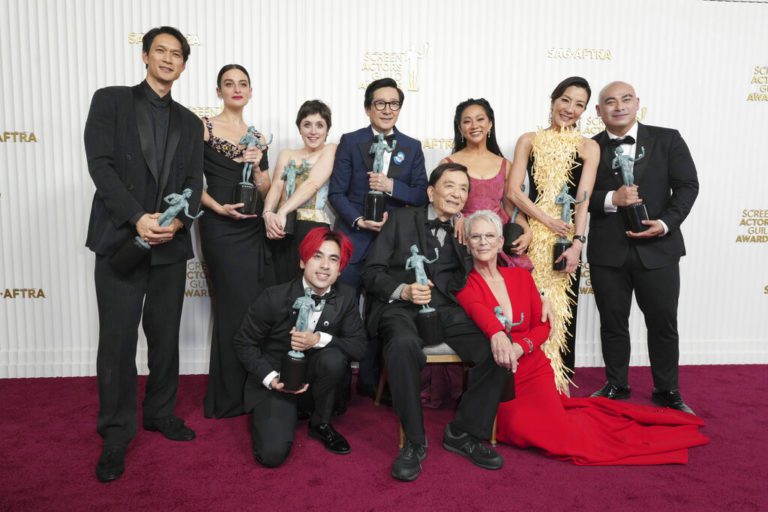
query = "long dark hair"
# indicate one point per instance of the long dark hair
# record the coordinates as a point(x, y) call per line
point(229, 67)
point(458, 141)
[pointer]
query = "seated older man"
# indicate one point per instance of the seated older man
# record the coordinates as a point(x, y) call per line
point(395, 301)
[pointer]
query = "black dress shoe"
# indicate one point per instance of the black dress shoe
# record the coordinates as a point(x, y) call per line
point(333, 441)
point(671, 399)
point(469, 446)
point(111, 463)
point(407, 465)
point(613, 392)
point(171, 427)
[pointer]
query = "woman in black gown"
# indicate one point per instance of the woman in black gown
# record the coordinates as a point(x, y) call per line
point(233, 244)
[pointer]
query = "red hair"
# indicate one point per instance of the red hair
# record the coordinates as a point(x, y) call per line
point(315, 238)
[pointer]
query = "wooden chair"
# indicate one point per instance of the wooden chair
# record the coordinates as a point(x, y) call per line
point(436, 354)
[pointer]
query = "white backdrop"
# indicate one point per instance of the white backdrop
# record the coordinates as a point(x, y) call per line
point(698, 66)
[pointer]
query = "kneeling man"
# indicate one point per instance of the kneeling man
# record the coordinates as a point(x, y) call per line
point(334, 336)
point(395, 301)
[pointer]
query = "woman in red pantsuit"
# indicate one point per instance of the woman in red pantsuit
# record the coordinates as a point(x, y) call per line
point(585, 431)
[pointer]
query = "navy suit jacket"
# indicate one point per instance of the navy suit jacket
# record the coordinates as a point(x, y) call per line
point(667, 183)
point(349, 182)
point(120, 148)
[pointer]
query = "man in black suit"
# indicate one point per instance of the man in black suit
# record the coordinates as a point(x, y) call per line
point(395, 301)
point(646, 262)
point(141, 146)
point(335, 336)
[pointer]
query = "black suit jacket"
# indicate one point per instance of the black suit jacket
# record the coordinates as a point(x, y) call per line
point(264, 337)
point(385, 267)
point(119, 144)
point(667, 183)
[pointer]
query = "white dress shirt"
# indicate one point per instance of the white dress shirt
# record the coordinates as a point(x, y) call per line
point(314, 317)
point(629, 149)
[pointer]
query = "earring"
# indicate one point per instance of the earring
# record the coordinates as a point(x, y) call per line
point(489, 134)
point(578, 125)
point(462, 138)
point(550, 117)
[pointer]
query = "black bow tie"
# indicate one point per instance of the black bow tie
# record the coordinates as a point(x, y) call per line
point(389, 138)
point(440, 224)
point(327, 297)
point(614, 143)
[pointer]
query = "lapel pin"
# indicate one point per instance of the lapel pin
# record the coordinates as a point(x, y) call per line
point(399, 157)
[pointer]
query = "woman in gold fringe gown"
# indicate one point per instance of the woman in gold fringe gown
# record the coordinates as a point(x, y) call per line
point(552, 158)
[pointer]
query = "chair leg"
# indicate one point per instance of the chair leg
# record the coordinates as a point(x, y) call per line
point(380, 388)
point(493, 431)
point(402, 437)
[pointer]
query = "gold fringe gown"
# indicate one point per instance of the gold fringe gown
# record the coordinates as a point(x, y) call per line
point(554, 159)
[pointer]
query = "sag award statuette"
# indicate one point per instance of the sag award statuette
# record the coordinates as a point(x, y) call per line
point(246, 191)
point(634, 214)
point(509, 390)
point(134, 250)
point(512, 232)
point(290, 171)
point(293, 370)
point(563, 244)
point(375, 200)
point(427, 321)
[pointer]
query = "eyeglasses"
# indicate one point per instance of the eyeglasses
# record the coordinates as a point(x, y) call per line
point(478, 238)
point(381, 105)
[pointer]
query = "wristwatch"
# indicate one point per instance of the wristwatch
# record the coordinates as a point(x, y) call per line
point(580, 238)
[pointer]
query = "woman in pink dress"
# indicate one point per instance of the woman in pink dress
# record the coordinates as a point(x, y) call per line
point(475, 146)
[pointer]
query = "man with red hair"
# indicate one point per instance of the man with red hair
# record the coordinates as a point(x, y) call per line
point(334, 336)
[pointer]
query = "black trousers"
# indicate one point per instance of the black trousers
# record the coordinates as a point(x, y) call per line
point(657, 292)
point(569, 356)
point(404, 360)
point(273, 419)
point(152, 295)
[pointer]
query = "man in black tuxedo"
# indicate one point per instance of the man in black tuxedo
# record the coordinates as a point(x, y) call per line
point(335, 336)
point(646, 262)
point(395, 300)
point(141, 146)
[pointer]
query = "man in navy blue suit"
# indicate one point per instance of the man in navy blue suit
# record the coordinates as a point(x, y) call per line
point(403, 180)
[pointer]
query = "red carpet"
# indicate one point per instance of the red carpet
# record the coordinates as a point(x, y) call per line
point(49, 446)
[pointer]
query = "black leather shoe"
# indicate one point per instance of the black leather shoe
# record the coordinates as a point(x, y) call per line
point(333, 441)
point(671, 399)
point(111, 463)
point(407, 465)
point(613, 392)
point(171, 427)
point(470, 447)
